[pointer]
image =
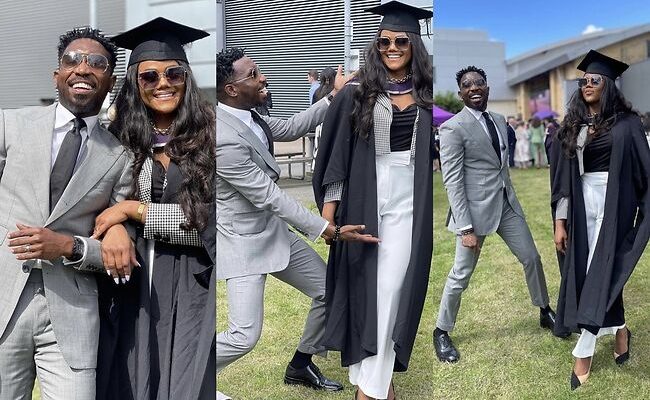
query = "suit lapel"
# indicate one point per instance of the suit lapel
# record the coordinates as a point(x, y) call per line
point(100, 157)
point(37, 143)
point(247, 134)
point(476, 131)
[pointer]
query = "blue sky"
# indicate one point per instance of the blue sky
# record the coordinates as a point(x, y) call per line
point(531, 24)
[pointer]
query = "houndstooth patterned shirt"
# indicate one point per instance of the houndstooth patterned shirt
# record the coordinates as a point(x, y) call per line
point(164, 219)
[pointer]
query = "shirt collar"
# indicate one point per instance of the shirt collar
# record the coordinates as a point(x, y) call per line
point(476, 113)
point(63, 117)
point(243, 115)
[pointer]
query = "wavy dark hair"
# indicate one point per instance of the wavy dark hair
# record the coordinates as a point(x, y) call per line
point(326, 84)
point(192, 146)
point(373, 79)
point(612, 106)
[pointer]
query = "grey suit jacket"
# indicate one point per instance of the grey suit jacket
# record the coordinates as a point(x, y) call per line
point(102, 179)
point(472, 174)
point(253, 213)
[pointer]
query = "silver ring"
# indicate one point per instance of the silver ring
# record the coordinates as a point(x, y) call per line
point(27, 248)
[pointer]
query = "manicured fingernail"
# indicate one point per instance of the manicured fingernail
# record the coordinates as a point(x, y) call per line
point(138, 264)
point(108, 272)
point(117, 281)
point(127, 277)
point(123, 280)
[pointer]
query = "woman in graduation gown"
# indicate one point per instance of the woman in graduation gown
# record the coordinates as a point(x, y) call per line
point(159, 340)
point(600, 173)
point(374, 167)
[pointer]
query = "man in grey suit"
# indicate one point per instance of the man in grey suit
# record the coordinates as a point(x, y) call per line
point(59, 168)
point(474, 156)
point(254, 215)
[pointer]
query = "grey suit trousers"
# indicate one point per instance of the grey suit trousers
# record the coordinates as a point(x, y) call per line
point(514, 231)
point(29, 349)
point(306, 272)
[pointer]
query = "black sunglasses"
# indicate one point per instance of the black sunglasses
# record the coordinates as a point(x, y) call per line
point(596, 80)
point(150, 78)
point(72, 59)
point(402, 43)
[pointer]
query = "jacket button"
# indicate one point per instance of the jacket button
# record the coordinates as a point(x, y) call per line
point(26, 268)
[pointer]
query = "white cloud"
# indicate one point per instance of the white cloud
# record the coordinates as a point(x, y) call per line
point(591, 28)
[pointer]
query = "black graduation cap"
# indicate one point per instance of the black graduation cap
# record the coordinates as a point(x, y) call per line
point(158, 39)
point(598, 63)
point(400, 17)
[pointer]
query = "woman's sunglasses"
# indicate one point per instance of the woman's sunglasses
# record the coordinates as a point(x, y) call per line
point(72, 59)
point(596, 80)
point(402, 43)
point(149, 79)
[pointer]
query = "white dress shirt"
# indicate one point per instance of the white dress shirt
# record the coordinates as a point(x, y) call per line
point(63, 123)
point(246, 117)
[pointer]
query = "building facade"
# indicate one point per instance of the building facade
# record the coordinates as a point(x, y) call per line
point(455, 49)
point(288, 38)
point(545, 78)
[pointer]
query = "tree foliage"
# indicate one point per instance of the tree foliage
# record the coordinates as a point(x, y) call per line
point(448, 101)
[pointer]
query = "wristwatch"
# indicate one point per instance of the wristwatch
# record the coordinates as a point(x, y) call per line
point(77, 249)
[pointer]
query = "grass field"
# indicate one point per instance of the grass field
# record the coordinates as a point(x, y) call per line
point(504, 353)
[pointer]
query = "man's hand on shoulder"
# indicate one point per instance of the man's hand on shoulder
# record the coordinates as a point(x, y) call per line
point(30, 243)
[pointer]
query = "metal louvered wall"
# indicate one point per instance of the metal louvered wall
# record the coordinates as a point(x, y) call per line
point(29, 32)
point(286, 38)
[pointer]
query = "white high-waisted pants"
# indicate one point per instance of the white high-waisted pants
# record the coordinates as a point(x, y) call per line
point(395, 213)
point(594, 187)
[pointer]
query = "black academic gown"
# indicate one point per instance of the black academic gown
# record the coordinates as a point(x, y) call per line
point(351, 293)
point(160, 344)
point(594, 300)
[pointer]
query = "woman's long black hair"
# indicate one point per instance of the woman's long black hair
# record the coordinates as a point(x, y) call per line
point(612, 106)
point(373, 79)
point(192, 146)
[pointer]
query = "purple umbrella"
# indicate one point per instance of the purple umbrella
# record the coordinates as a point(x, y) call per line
point(543, 114)
point(440, 115)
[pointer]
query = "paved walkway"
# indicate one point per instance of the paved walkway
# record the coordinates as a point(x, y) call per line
point(299, 189)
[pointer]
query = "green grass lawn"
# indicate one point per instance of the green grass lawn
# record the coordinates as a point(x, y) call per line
point(504, 352)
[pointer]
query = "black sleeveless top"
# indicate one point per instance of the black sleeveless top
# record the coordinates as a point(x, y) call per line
point(597, 153)
point(401, 129)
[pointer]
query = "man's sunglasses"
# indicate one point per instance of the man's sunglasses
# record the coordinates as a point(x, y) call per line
point(402, 43)
point(150, 78)
point(596, 80)
point(466, 84)
point(253, 74)
point(72, 59)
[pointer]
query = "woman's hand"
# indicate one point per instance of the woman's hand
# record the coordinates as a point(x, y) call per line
point(116, 214)
point(118, 253)
point(561, 236)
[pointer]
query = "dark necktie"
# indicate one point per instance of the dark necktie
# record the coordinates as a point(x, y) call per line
point(265, 127)
point(65, 162)
point(493, 134)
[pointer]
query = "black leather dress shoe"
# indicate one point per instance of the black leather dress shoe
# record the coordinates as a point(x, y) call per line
point(310, 376)
point(445, 349)
point(547, 321)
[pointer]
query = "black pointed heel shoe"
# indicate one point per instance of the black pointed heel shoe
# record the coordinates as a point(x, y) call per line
point(577, 380)
point(622, 358)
